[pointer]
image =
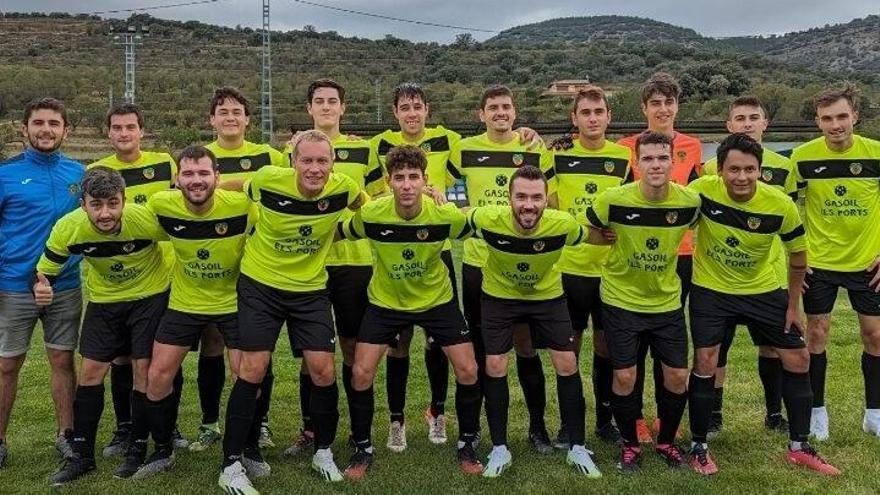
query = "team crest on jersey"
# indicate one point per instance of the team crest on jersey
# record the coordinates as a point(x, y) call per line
point(518, 159)
point(140, 199)
point(767, 175)
point(753, 222)
point(323, 205)
point(422, 234)
point(609, 166)
point(538, 246)
point(245, 163)
point(671, 217)
point(149, 173)
point(342, 154)
point(128, 247)
point(73, 189)
point(221, 228)
point(682, 155)
point(855, 168)
point(426, 147)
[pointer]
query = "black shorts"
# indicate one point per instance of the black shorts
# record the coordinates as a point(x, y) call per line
point(128, 328)
point(446, 257)
point(820, 297)
point(444, 324)
point(582, 296)
point(347, 286)
point(262, 310)
point(548, 321)
point(715, 314)
point(185, 329)
point(664, 333)
point(685, 270)
point(471, 304)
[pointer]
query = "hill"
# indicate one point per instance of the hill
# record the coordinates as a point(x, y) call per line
point(611, 28)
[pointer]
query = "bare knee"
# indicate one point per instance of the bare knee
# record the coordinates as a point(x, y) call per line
point(466, 373)
point(92, 372)
point(624, 380)
point(795, 360)
point(818, 327)
point(321, 370)
point(706, 360)
point(675, 379)
point(362, 376)
point(496, 365)
point(565, 363)
point(9, 367)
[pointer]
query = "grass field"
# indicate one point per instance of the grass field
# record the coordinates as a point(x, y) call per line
point(750, 458)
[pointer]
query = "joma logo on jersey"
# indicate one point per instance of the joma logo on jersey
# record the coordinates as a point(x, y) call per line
point(323, 205)
point(408, 254)
point(501, 180)
point(116, 267)
point(305, 230)
point(523, 267)
point(652, 243)
point(342, 155)
point(422, 234)
point(140, 199)
point(221, 228)
point(538, 246)
point(671, 217)
point(245, 163)
point(128, 247)
point(767, 175)
point(609, 166)
point(149, 173)
point(203, 254)
point(753, 222)
point(518, 159)
point(855, 168)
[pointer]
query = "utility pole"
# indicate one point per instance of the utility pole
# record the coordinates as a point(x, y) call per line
point(131, 37)
point(378, 101)
point(266, 86)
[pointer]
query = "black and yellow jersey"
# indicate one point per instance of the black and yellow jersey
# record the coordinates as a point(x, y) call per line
point(125, 266)
point(437, 143)
point(734, 252)
point(486, 167)
point(582, 174)
point(294, 233)
point(240, 163)
point(639, 274)
point(152, 172)
point(409, 274)
point(841, 203)
point(522, 266)
point(207, 249)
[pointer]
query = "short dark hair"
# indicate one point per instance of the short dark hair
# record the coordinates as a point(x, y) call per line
point(741, 142)
point(195, 153)
point(494, 91)
point(45, 104)
point(527, 172)
point(407, 156)
point(408, 90)
point(649, 137)
point(324, 83)
point(829, 96)
point(592, 93)
point(102, 183)
point(126, 109)
point(747, 101)
point(660, 82)
point(229, 93)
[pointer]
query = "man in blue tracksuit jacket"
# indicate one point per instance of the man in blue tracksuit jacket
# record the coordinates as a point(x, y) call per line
point(37, 188)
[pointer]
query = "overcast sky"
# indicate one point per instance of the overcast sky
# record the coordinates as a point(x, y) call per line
point(709, 17)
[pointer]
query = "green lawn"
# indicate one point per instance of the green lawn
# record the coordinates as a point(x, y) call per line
point(749, 457)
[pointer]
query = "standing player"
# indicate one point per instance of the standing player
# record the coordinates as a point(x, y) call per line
point(411, 286)
point(349, 263)
point(660, 96)
point(283, 280)
point(521, 284)
point(237, 159)
point(38, 187)
point(411, 109)
point(748, 116)
point(735, 281)
point(207, 228)
point(486, 162)
point(589, 167)
point(839, 173)
point(641, 293)
point(145, 173)
point(127, 282)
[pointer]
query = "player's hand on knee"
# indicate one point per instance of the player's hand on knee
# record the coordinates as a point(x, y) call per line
point(43, 293)
point(793, 320)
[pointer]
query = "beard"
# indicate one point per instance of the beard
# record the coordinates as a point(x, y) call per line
point(209, 193)
point(34, 143)
point(536, 213)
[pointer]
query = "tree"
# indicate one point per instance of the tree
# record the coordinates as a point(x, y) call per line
point(464, 41)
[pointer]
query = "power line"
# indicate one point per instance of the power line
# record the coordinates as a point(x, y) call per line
point(391, 18)
point(154, 7)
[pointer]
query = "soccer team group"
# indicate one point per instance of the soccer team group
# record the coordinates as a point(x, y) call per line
point(345, 241)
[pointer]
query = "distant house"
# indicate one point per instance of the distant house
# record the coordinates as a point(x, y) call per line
point(567, 87)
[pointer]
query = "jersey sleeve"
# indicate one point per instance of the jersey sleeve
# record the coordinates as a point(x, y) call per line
point(354, 191)
point(453, 166)
point(174, 171)
point(353, 228)
point(710, 167)
point(474, 220)
point(453, 138)
point(56, 253)
point(549, 169)
point(252, 184)
point(373, 183)
point(576, 232)
point(277, 158)
point(791, 187)
point(792, 232)
point(597, 213)
point(799, 181)
point(459, 228)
